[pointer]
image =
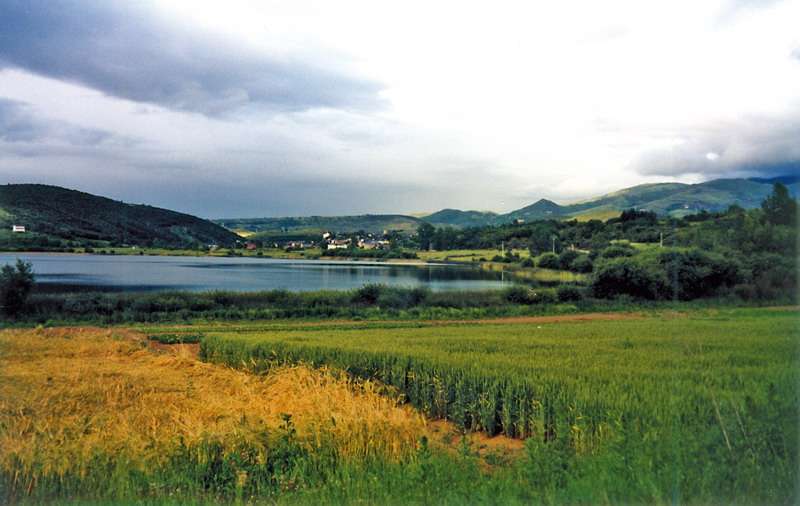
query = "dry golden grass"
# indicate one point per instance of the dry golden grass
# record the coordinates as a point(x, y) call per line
point(69, 394)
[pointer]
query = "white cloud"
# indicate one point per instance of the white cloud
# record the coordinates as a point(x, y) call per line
point(429, 104)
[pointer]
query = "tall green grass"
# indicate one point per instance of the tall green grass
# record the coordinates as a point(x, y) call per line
point(701, 408)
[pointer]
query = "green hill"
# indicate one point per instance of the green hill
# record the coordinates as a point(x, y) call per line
point(666, 199)
point(461, 219)
point(374, 223)
point(542, 209)
point(58, 213)
point(636, 196)
point(678, 199)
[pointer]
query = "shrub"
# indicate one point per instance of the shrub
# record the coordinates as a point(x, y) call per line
point(566, 258)
point(617, 250)
point(548, 261)
point(15, 286)
point(566, 293)
point(543, 296)
point(582, 264)
point(696, 273)
point(401, 298)
point(665, 273)
point(527, 262)
point(631, 276)
point(772, 275)
point(517, 294)
point(368, 294)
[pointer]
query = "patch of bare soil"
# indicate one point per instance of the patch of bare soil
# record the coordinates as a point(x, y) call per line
point(494, 451)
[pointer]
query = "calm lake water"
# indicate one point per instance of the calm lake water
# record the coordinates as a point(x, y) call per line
point(109, 273)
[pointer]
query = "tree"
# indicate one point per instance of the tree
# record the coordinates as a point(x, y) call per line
point(548, 261)
point(544, 237)
point(779, 208)
point(425, 233)
point(15, 285)
point(444, 239)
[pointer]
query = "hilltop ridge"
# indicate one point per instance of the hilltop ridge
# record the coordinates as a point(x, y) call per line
point(71, 215)
point(665, 199)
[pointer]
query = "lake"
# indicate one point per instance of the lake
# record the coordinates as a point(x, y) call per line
point(110, 273)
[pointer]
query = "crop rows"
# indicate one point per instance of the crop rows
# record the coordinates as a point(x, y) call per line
point(700, 400)
point(527, 379)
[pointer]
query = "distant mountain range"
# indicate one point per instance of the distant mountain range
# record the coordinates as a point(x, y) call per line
point(666, 199)
point(73, 215)
point(77, 216)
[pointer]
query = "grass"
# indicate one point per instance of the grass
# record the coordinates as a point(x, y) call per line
point(467, 255)
point(626, 406)
point(597, 215)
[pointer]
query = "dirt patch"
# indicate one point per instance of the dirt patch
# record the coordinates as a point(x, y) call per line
point(495, 451)
point(180, 349)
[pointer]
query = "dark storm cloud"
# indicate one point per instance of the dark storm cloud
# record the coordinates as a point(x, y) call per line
point(258, 197)
point(125, 51)
point(20, 124)
point(758, 147)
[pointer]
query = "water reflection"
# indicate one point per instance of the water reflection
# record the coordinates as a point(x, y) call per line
point(65, 273)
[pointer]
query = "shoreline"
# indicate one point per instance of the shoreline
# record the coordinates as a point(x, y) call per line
point(263, 257)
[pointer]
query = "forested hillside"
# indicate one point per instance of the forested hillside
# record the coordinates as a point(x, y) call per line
point(750, 251)
point(54, 216)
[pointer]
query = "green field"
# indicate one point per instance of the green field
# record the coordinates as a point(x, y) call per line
point(665, 409)
point(466, 255)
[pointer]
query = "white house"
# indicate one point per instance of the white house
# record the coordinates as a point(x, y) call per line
point(338, 244)
point(373, 243)
point(18, 228)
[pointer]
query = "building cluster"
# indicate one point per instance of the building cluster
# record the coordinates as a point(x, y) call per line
point(369, 242)
point(330, 241)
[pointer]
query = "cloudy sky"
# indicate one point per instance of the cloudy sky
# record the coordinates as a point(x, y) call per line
point(308, 107)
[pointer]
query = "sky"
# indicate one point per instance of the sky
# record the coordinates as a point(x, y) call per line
point(244, 109)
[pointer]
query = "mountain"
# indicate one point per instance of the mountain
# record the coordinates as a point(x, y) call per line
point(78, 216)
point(787, 180)
point(679, 199)
point(542, 209)
point(461, 219)
point(666, 199)
point(374, 223)
point(711, 196)
point(636, 196)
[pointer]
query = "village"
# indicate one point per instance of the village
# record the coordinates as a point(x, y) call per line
point(329, 241)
